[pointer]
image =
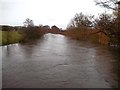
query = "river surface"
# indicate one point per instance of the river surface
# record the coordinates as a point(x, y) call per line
point(56, 61)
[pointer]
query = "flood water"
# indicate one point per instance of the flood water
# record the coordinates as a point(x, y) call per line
point(56, 61)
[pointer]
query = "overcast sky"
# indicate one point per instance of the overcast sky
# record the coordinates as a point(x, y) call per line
point(46, 12)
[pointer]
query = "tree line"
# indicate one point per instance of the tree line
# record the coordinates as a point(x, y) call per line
point(106, 23)
point(30, 31)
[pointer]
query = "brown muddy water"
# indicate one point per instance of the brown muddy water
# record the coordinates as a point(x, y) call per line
point(56, 61)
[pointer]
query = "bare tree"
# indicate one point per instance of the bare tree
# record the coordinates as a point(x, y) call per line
point(30, 32)
point(110, 4)
point(115, 24)
point(105, 23)
point(71, 24)
point(80, 20)
point(28, 23)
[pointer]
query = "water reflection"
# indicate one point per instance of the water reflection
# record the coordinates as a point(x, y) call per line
point(106, 58)
point(58, 61)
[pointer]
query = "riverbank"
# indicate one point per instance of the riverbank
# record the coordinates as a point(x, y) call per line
point(9, 37)
point(90, 35)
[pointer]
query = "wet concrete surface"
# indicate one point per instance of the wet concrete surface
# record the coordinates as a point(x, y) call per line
point(56, 61)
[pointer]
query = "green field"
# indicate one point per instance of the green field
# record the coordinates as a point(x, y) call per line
point(9, 37)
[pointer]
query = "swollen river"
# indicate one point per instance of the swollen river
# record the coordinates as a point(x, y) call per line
point(56, 61)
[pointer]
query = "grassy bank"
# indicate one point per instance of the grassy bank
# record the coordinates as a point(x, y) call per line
point(9, 37)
